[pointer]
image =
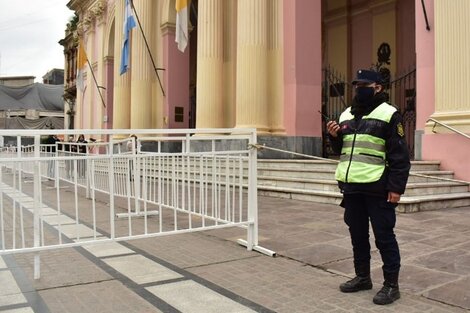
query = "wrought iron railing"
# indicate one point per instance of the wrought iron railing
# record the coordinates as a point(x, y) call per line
point(403, 95)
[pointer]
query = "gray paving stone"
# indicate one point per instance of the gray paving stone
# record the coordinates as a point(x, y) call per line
point(311, 240)
point(455, 261)
point(191, 297)
point(319, 253)
point(20, 310)
point(415, 279)
point(455, 293)
point(140, 269)
point(104, 297)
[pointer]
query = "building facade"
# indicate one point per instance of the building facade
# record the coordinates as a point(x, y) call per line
point(54, 77)
point(17, 81)
point(273, 64)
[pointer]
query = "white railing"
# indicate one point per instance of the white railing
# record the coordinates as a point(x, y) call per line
point(168, 182)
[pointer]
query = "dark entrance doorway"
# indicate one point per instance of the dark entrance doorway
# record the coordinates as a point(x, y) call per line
point(337, 96)
point(193, 62)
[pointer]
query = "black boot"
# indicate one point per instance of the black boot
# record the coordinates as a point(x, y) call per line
point(362, 280)
point(358, 283)
point(390, 291)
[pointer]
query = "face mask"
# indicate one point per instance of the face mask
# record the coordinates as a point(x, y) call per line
point(364, 94)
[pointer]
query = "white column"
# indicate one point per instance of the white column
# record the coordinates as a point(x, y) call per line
point(122, 83)
point(275, 67)
point(252, 87)
point(141, 68)
point(209, 89)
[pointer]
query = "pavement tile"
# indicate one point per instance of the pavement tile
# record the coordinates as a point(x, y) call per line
point(319, 253)
point(411, 250)
point(295, 288)
point(189, 296)
point(455, 261)
point(19, 310)
point(314, 251)
point(404, 237)
point(190, 250)
point(107, 249)
point(289, 242)
point(445, 239)
point(104, 297)
point(141, 269)
point(455, 293)
point(2, 263)
point(62, 267)
point(8, 285)
point(415, 279)
point(11, 299)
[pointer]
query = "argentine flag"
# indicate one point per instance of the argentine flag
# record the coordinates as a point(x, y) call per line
point(129, 23)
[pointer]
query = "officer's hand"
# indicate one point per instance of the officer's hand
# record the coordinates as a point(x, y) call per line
point(333, 128)
point(393, 197)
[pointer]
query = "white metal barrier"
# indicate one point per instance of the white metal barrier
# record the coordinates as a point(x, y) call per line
point(122, 188)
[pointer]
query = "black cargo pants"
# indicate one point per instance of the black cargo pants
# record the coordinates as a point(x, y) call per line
point(359, 209)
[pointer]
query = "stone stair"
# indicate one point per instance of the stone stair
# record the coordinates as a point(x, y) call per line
point(312, 180)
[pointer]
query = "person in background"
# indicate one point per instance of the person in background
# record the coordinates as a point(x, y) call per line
point(372, 174)
point(82, 148)
point(51, 152)
point(132, 141)
point(68, 149)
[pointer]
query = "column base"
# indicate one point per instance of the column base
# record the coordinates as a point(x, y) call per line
point(298, 144)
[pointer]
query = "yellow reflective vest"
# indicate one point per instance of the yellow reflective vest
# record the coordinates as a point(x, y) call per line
point(363, 158)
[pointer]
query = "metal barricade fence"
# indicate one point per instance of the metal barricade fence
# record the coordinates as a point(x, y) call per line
point(55, 197)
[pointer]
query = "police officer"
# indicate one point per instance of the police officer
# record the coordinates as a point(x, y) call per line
point(372, 174)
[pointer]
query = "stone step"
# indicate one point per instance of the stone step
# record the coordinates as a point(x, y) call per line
point(440, 174)
point(329, 174)
point(331, 165)
point(435, 188)
point(434, 202)
point(326, 174)
point(407, 203)
point(307, 184)
point(418, 188)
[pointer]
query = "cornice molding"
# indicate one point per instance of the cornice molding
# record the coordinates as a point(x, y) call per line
point(79, 5)
point(90, 13)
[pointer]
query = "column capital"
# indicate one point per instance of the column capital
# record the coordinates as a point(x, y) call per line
point(168, 28)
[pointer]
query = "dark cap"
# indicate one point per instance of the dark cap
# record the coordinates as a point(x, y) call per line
point(367, 76)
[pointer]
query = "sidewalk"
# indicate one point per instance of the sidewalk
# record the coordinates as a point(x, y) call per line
point(210, 272)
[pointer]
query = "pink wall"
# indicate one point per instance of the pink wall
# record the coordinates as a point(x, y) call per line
point(175, 81)
point(452, 150)
point(109, 98)
point(424, 64)
point(302, 67)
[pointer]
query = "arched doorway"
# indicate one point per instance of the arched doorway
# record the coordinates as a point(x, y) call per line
point(369, 34)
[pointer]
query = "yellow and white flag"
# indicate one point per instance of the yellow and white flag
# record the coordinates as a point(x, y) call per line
point(181, 24)
point(81, 64)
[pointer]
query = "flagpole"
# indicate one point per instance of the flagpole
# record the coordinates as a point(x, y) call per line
point(148, 48)
point(96, 82)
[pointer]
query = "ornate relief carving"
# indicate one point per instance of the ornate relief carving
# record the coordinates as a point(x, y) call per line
point(80, 30)
point(98, 10)
point(94, 13)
